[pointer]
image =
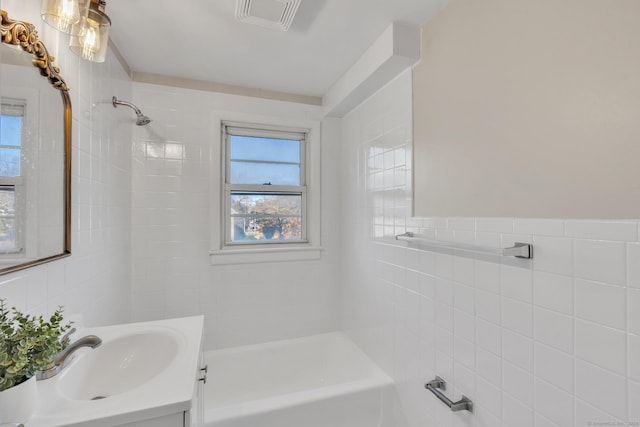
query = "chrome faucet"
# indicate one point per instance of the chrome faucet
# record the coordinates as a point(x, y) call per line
point(91, 341)
point(60, 359)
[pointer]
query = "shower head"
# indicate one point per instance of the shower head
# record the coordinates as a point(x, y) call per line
point(141, 120)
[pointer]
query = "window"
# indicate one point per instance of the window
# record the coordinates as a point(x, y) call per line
point(11, 136)
point(266, 198)
point(265, 185)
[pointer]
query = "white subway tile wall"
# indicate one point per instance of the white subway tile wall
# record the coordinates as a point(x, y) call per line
point(174, 172)
point(93, 284)
point(551, 342)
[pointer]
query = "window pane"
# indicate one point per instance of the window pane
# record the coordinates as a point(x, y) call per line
point(262, 173)
point(7, 219)
point(264, 149)
point(267, 217)
point(10, 130)
point(9, 162)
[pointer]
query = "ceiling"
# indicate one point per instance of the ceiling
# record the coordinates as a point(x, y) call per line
point(201, 40)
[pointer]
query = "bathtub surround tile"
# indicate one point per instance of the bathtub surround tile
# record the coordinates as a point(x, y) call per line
point(444, 265)
point(539, 227)
point(625, 231)
point(464, 352)
point(553, 292)
point(600, 345)
point(464, 271)
point(592, 380)
point(444, 365)
point(600, 303)
point(484, 417)
point(464, 298)
point(518, 383)
point(533, 320)
point(516, 413)
point(465, 237)
point(487, 276)
point(633, 355)
point(489, 240)
point(488, 307)
point(553, 255)
point(414, 259)
point(553, 329)
point(553, 403)
point(634, 398)
point(541, 421)
point(600, 261)
point(464, 326)
point(554, 366)
point(413, 281)
point(444, 341)
point(460, 224)
point(444, 291)
point(489, 366)
point(489, 336)
point(465, 379)
point(488, 396)
point(517, 349)
point(633, 310)
point(587, 415)
point(633, 265)
point(517, 283)
point(444, 316)
point(496, 225)
point(517, 316)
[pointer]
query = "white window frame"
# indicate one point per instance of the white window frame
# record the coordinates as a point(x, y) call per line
point(224, 252)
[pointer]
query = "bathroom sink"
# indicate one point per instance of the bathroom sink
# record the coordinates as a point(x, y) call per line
point(119, 365)
point(142, 371)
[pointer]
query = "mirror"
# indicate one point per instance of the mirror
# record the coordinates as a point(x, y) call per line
point(528, 111)
point(35, 152)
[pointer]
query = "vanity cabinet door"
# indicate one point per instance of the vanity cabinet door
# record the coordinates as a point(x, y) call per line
point(195, 417)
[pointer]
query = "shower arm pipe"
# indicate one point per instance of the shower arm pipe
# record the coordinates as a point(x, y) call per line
point(518, 250)
point(117, 101)
point(141, 120)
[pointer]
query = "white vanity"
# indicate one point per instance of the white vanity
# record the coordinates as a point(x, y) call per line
point(143, 375)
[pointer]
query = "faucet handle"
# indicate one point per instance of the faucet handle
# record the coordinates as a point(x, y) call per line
point(65, 336)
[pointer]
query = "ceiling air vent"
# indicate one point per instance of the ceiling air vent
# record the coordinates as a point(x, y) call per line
point(274, 14)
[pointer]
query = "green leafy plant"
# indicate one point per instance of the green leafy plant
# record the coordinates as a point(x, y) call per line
point(28, 343)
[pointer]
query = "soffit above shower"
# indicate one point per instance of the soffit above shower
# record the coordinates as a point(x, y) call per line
point(203, 41)
point(273, 14)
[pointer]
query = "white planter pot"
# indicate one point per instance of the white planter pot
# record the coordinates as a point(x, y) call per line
point(18, 403)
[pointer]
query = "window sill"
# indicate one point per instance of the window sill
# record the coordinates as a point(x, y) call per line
point(261, 255)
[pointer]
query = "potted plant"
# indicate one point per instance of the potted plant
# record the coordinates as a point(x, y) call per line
point(27, 343)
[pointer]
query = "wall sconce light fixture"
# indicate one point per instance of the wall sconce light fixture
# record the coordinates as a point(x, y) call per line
point(92, 41)
point(65, 15)
point(85, 21)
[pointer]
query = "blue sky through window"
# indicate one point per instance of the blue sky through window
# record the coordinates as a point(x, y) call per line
point(10, 136)
point(256, 160)
point(10, 130)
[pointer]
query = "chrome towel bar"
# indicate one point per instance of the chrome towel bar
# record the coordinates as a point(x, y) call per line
point(435, 386)
point(518, 250)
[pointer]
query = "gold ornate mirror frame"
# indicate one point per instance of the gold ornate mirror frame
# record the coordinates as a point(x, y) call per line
point(24, 35)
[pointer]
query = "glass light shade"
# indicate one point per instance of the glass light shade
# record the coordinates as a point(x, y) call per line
point(92, 42)
point(65, 15)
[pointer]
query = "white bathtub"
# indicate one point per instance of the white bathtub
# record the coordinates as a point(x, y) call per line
point(317, 381)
